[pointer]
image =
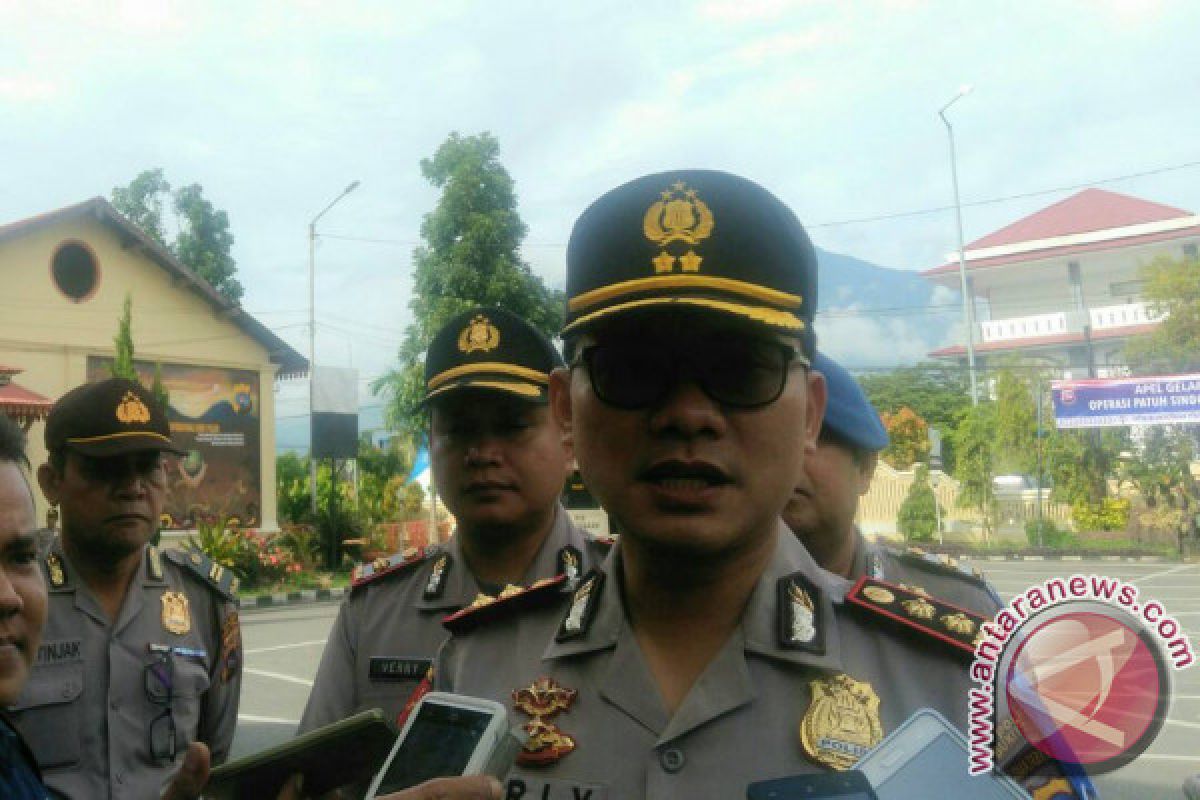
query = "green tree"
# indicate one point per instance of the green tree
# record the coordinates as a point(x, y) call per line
point(1080, 463)
point(470, 255)
point(1016, 425)
point(204, 242)
point(1161, 470)
point(142, 202)
point(122, 366)
point(974, 444)
point(1172, 288)
point(938, 393)
point(918, 516)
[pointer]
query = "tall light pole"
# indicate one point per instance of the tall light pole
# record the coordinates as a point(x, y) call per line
point(968, 304)
point(312, 337)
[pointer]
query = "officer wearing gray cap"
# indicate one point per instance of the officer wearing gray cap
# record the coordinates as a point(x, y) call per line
point(141, 652)
point(499, 463)
point(824, 503)
point(708, 650)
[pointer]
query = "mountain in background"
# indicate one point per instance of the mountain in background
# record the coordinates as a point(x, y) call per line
point(873, 316)
point(868, 316)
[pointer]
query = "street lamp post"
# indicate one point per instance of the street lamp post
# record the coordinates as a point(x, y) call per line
point(968, 305)
point(312, 338)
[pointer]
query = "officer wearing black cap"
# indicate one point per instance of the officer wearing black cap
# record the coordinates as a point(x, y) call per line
point(499, 464)
point(825, 501)
point(141, 653)
point(708, 650)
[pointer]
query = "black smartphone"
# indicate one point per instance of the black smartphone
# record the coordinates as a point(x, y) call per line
point(849, 785)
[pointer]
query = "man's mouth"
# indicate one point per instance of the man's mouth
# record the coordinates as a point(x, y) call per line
point(685, 476)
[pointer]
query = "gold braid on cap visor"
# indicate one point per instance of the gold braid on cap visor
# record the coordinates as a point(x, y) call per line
point(784, 320)
point(491, 367)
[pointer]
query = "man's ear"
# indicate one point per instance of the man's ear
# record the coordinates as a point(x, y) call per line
point(560, 406)
point(50, 481)
point(815, 412)
point(866, 472)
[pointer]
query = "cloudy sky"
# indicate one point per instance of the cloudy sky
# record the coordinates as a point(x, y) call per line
point(275, 107)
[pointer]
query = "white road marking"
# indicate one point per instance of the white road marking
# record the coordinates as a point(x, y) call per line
point(1157, 757)
point(1182, 724)
point(267, 720)
point(1154, 575)
point(291, 646)
point(279, 676)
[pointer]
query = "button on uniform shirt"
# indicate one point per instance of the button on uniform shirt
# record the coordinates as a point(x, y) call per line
point(741, 721)
point(389, 629)
point(86, 711)
point(945, 580)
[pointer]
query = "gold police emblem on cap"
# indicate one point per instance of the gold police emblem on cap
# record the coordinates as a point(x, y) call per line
point(481, 335)
point(176, 618)
point(679, 216)
point(132, 410)
point(842, 723)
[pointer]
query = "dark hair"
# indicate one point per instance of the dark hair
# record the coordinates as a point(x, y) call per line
point(12, 442)
point(828, 436)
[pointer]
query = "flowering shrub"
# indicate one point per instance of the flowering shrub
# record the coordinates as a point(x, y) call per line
point(257, 559)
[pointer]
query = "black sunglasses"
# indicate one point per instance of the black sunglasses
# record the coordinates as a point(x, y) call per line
point(735, 374)
point(159, 683)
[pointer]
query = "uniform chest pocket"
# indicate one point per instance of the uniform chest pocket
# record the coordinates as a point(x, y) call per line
point(49, 714)
point(188, 681)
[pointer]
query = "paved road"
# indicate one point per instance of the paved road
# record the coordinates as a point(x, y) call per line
point(283, 648)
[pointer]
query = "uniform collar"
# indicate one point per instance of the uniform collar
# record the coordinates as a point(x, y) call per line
point(760, 628)
point(764, 612)
point(461, 587)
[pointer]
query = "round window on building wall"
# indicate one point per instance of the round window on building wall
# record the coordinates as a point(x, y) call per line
point(75, 271)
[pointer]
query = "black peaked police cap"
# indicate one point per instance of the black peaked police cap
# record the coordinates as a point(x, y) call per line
point(109, 418)
point(490, 349)
point(696, 239)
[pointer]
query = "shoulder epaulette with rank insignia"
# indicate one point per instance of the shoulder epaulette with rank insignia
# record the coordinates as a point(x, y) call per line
point(511, 600)
point(395, 564)
point(209, 572)
point(938, 564)
point(918, 613)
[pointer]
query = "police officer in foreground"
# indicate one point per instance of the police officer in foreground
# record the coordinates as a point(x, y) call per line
point(824, 503)
point(499, 464)
point(709, 650)
point(141, 653)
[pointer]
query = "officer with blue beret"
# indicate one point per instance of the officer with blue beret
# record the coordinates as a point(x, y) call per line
point(824, 503)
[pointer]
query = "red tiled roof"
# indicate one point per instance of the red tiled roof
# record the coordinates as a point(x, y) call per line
point(18, 400)
point(1044, 341)
point(1066, 250)
point(1083, 212)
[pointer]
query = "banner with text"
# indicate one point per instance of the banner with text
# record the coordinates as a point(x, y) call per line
point(214, 416)
point(1152, 400)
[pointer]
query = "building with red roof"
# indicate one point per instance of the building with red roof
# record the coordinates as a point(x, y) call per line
point(1062, 285)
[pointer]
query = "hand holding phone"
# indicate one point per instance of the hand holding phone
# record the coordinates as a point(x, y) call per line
point(447, 735)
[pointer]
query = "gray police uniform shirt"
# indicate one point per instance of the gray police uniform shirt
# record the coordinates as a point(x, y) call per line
point(943, 578)
point(86, 711)
point(389, 629)
point(778, 675)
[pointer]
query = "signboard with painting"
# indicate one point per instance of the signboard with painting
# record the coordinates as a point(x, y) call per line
point(215, 418)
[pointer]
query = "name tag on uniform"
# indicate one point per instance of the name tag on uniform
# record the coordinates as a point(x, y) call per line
point(396, 670)
point(542, 789)
point(65, 651)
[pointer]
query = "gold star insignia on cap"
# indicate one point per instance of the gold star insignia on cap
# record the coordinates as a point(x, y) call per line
point(481, 335)
point(679, 216)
